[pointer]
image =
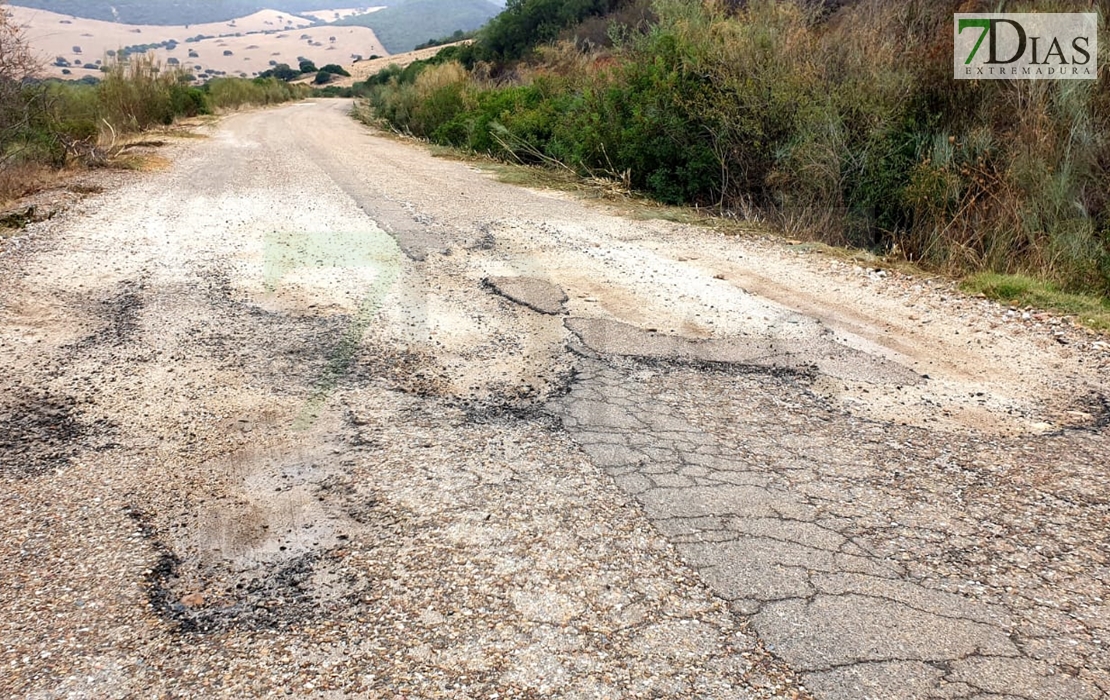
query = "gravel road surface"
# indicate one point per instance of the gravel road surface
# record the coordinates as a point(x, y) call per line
point(313, 413)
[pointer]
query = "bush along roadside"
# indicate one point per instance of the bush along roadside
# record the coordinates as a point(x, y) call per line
point(46, 125)
point(842, 125)
point(140, 93)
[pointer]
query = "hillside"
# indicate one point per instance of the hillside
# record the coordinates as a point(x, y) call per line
point(246, 46)
point(401, 27)
point(183, 12)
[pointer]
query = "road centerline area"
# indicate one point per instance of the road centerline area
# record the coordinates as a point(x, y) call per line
point(314, 412)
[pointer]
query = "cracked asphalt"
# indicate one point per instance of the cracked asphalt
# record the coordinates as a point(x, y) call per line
point(313, 413)
point(876, 561)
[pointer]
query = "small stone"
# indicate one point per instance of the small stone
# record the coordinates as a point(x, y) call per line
point(193, 600)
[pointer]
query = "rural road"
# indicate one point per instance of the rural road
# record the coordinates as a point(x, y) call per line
point(313, 413)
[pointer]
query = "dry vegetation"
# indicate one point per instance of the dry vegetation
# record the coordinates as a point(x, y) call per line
point(17, 64)
point(365, 69)
point(21, 179)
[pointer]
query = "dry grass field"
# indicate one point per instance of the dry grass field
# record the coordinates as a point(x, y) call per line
point(241, 47)
point(364, 69)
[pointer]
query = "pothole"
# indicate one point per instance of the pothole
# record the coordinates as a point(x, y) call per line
point(277, 596)
point(282, 564)
point(806, 352)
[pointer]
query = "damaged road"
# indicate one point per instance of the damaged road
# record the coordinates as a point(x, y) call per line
point(314, 413)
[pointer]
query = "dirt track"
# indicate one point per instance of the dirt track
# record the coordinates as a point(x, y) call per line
point(313, 412)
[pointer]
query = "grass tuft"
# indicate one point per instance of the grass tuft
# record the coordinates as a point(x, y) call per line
point(24, 179)
point(1024, 291)
point(140, 162)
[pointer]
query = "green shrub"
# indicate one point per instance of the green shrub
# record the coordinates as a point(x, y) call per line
point(841, 124)
point(281, 71)
point(527, 23)
point(385, 75)
point(232, 93)
point(189, 101)
point(136, 93)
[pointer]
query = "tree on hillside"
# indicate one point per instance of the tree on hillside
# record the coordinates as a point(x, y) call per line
point(527, 23)
point(19, 100)
point(281, 71)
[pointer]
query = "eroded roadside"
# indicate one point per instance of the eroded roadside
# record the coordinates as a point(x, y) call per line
point(317, 413)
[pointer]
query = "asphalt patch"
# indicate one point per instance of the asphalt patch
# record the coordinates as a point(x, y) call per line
point(536, 294)
point(120, 313)
point(816, 353)
point(39, 434)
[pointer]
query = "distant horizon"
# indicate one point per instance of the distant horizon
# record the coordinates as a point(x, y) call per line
point(176, 13)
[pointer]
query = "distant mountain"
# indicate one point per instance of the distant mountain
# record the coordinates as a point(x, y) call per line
point(403, 25)
point(180, 12)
